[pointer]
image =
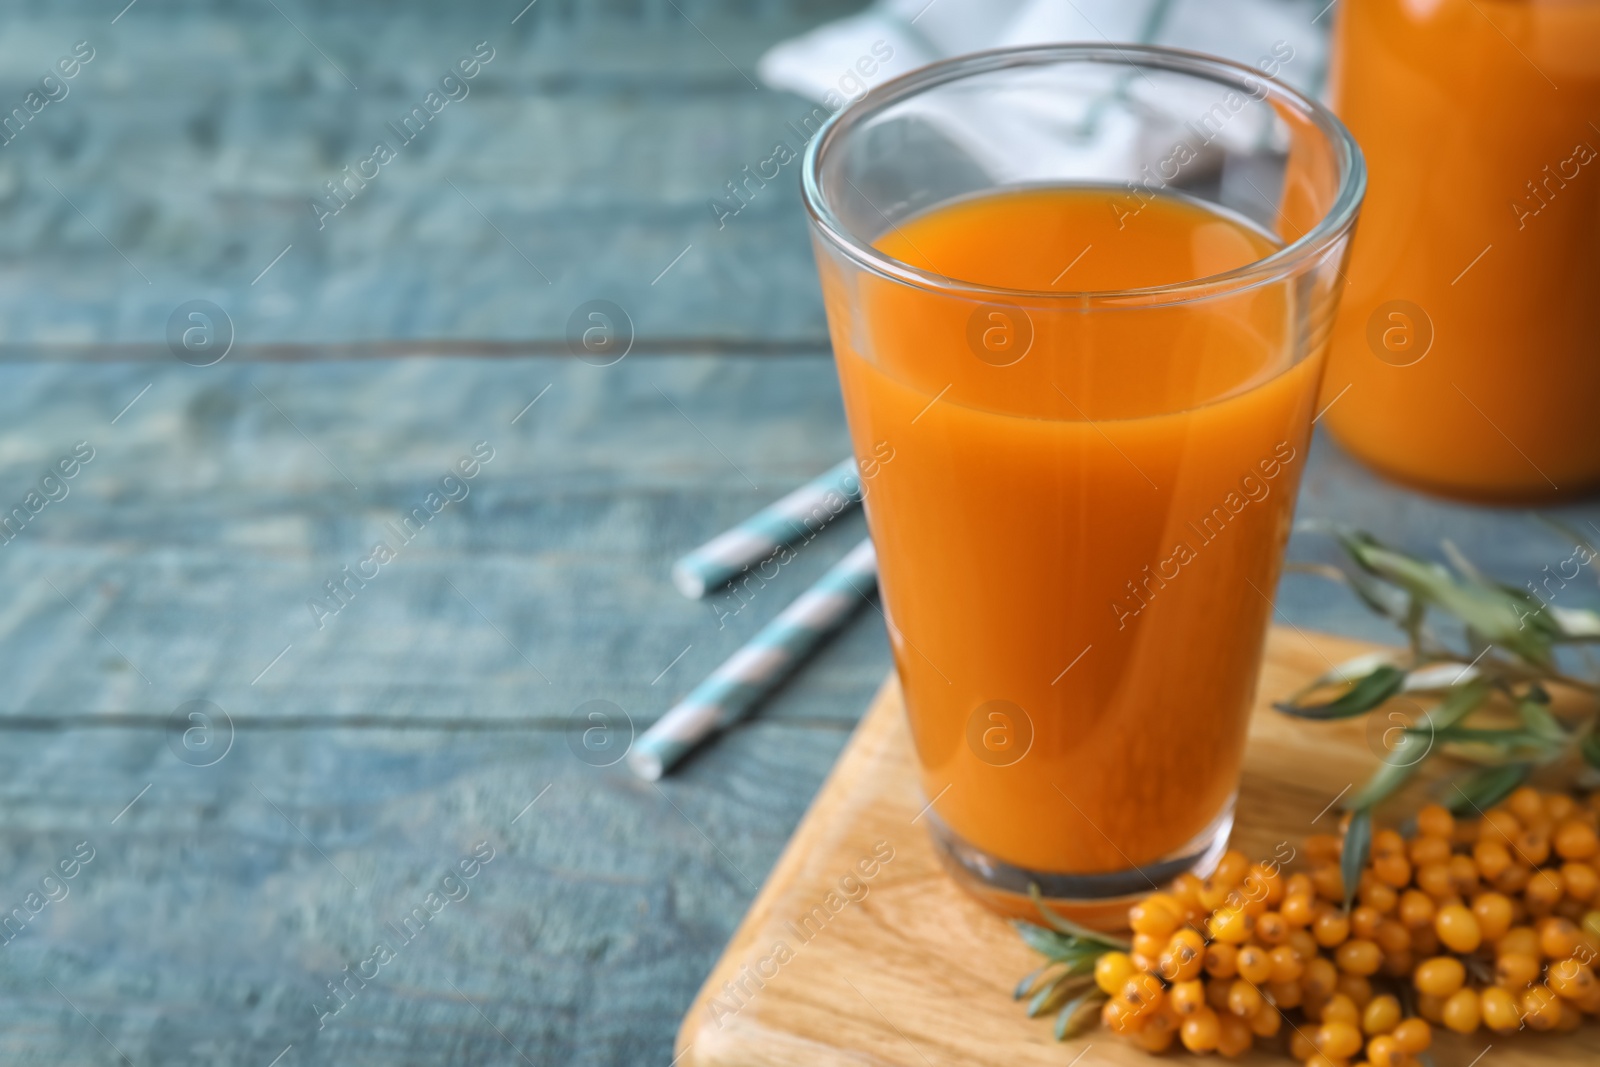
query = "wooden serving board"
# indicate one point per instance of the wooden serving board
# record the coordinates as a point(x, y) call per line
point(903, 968)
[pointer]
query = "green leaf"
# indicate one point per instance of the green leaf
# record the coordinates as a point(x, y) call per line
point(1079, 1014)
point(1590, 747)
point(1507, 618)
point(1485, 787)
point(1534, 711)
point(1072, 929)
point(1458, 703)
point(1384, 781)
point(1028, 980)
point(1054, 994)
point(1357, 844)
point(1363, 696)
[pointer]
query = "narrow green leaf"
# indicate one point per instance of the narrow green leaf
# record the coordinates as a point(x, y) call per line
point(1028, 980)
point(1357, 844)
point(1054, 994)
point(1506, 739)
point(1534, 711)
point(1384, 781)
point(1590, 747)
point(1363, 696)
point(1072, 929)
point(1046, 942)
point(1079, 1014)
point(1485, 787)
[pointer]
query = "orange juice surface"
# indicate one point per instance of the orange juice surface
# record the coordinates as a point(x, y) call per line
point(1468, 345)
point(1079, 513)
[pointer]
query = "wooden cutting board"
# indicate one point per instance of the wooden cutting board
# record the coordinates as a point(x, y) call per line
point(902, 968)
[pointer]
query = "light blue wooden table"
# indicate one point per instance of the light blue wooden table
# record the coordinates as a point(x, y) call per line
point(353, 759)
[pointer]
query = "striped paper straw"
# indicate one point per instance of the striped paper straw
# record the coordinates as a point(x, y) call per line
point(803, 511)
point(750, 673)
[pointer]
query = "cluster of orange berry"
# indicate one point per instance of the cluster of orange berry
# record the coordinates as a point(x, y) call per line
point(1483, 922)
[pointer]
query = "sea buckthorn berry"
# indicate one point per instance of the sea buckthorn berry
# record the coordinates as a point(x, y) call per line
point(1392, 937)
point(1244, 999)
point(1413, 1036)
point(1213, 896)
point(1461, 1011)
point(1581, 881)
point(1271, 929)
point(1186, 998)
point(1559, 938)
point(1359, 957)
point(1221, 960)
point(1234, 1038)
point(1464, 873)
point(1541, 1009)
point(1143, 992)
point(1571, 1018)
point(1492, 857)
point(1114, 1016)
point(1217, 996)
point(1399, 964)
point(1186, 891)
point(1159, 914)
point(1318, 1059)
point(1526, 803)
point(1158, 1033)
point(1149, 944)
point(1531, 846)
point(1298, 909)
point(1112, 971)
point(1395, 870)
point(1383, 1052)
point(1301, 1047)
point(1571, 980)
point(1299, 882)
point(1435, 880)
point(1494, 914)
point(1559, 807)
point(1330, 928)
point(1435, 819)
point(1416, 908)
point(1338, 1040)
point(1431, 1008)
point(1424, 942)
point(1576, 840)
point(1231, 868)
point(1381, 1014)
point(1341, 1009)
point(1286, 994)
point(1545, 890)
point(1440, 976)
point(1320, 979)
point(1519, 939)
point(1590, 923)
point(1388, 843)
point(1266, 882)
point(1426, 848)
point(1328, 881)
point(1514, 879)
point(1457, 928)
point(1357, 988)
point(1514, 970)
point(1286, 965)
point(1364, 921)
point(1499, 824)
point(1499, 1010)
point(1323, 848)
point(1571, 909)
point(1200, 1031)
point(1183, 957)
point(1231, 925)
point(1255, 964)
point(1377, 895)
point(1304, 945)
point(1266, 1022)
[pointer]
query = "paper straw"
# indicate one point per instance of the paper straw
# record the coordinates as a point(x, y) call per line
point(803, 511)
point(750, 673)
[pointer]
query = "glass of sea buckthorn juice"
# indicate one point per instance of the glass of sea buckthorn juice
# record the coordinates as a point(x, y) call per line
point(1465, 358)
point(1081, 297)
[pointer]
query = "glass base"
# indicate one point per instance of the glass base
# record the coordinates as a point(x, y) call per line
point(1099, 900)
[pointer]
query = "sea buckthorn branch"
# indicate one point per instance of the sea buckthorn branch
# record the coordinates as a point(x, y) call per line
point(1491, 920)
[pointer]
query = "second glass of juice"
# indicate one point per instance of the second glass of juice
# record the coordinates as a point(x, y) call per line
point(1079, 299)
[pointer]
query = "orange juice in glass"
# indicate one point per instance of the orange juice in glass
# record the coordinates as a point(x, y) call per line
point(1083, 294)
point(1467, 353)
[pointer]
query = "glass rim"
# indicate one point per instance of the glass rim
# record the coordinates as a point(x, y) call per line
point(1285, 261)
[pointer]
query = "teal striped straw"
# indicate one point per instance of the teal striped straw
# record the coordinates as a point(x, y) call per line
point(750, 673)
point(801, 513)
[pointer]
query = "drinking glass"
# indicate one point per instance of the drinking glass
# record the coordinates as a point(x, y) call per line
point(1080, 498)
